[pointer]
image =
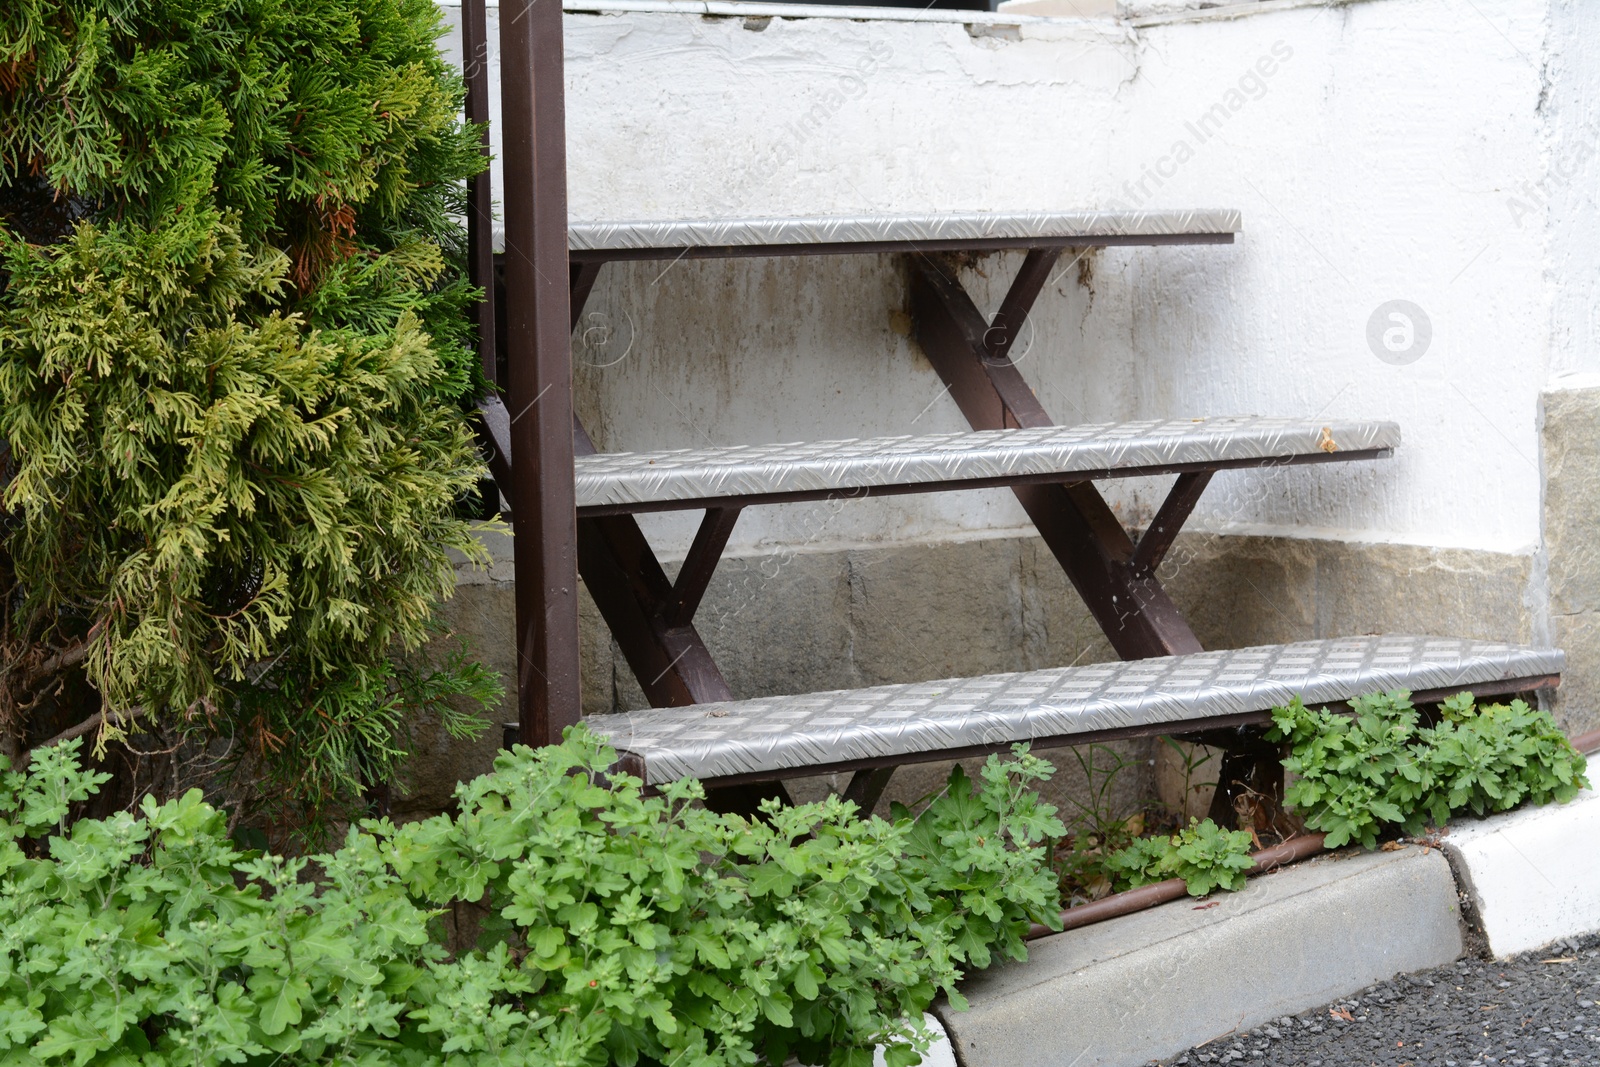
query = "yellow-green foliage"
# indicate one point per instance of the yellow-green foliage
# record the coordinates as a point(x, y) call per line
point(233, 356)
point(163, 443)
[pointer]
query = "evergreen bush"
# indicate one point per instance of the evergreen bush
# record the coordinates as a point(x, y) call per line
point(234, 357)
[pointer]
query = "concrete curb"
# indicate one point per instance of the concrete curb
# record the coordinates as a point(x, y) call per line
point(1152, 984)
point(1532, 876)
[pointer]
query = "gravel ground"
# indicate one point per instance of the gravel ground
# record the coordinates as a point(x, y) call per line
point(1535, 1011)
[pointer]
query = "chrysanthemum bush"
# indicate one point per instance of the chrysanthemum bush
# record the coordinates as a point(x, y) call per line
point(233, 363)
point(1383, 770)
point(624, 928)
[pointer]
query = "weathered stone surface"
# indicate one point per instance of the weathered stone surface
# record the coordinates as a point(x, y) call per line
point(1570, 442)
point(937, 611)
point(483, 616)
point(483, 613)
point(1408, 589)
point(1577, 702)
point(1241, 591)
point(780, 624)
point(1058, 627)
point(1571, 446)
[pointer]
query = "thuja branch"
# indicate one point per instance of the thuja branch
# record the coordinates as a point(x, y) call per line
point(112, 718)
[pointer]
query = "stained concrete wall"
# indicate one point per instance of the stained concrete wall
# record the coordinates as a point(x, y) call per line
point(1372, 148)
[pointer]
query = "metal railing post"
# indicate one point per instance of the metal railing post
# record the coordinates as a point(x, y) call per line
point(480, 192)
point(539, 367)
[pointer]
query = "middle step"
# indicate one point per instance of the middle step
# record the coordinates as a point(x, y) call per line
point(611, 483)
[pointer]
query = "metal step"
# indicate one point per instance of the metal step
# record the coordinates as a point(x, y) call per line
point(789, 736)
point(624, 482)
point(822, 234)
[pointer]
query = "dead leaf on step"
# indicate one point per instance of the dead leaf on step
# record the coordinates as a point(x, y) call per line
point(1393, 846)
point(1340, 1013)
point(1325, 442)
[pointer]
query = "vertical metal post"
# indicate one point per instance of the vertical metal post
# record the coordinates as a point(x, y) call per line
point(539, 362)
point(480, 192)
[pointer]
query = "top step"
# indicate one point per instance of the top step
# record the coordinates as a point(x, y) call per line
point(630, 482)
point(976, 231)
point(887, 725)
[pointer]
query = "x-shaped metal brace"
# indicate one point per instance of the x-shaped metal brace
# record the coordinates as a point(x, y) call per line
point(651, 617)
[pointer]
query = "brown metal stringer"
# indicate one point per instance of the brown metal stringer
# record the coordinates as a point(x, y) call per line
point(1175, 509)
point(1097, 554)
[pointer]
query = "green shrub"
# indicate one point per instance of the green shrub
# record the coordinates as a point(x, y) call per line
point(1357, 777)
point(329, 130)
point(622, 928)
point(233, 351)
point(1203, 854)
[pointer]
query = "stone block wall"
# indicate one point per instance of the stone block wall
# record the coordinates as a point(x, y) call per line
point(1570, 445)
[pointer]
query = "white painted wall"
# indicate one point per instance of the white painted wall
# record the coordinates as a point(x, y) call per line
point(1374, 147)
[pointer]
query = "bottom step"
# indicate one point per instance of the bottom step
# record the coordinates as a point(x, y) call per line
point(887, 725)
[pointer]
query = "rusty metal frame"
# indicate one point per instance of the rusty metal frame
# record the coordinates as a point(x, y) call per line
point(532, 443)
point(537, 423)
point(651, 617)
point(534, 438)
point(970, 355)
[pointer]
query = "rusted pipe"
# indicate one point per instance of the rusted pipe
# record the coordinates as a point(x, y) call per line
point(1587, 743)
point(1125, 903)
point(1148, 896)
point(1291, 851)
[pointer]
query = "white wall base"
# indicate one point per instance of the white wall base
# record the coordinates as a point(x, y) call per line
point(1533, 875)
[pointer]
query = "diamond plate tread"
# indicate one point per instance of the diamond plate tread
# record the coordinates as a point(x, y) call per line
point(644, 235)
point(779, 734)
point(619, 479)
point(638, 235)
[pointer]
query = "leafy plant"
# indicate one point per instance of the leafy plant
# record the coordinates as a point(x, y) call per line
point(1203, 854)
point(232, 359)
point(982, 852)
point(1357, 776)
point(1096, 825)
point(623, 928)
point(1094, 815)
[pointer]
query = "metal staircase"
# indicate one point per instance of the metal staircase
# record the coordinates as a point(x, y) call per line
point(572, 508)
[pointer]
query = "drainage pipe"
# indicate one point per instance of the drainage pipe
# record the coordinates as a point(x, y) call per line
point(1148, 896)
